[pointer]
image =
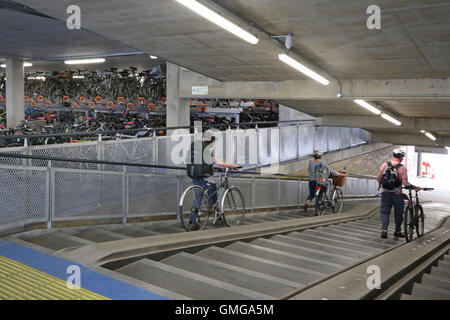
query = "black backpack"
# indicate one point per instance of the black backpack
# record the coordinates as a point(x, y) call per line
point(390, 180)
point(196, 171)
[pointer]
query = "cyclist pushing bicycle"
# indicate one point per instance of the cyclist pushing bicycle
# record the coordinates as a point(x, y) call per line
point(318, 170)
point(391, 177)
point(201, 175)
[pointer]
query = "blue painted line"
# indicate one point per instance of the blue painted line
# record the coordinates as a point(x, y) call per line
point(90, 280)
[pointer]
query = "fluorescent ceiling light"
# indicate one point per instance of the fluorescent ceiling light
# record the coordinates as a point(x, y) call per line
point(300, 67)
point(25, 64)
point(219, 20)
point(368, 106)
point(78, 77)
point(423, 131)
point(390, 119)
point(429, 135)
point(153, 57)
point(85, 61)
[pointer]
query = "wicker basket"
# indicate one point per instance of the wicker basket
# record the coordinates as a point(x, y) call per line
point(339, 181)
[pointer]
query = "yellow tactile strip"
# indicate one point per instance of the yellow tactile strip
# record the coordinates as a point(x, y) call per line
point(21, 282)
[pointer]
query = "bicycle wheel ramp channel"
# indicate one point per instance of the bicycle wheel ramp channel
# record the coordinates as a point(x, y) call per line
point(261, 261)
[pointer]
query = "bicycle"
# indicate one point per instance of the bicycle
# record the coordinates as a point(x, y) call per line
point(230, 206)
point(414, 217)
point(323, 202)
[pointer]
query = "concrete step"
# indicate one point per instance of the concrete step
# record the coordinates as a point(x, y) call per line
point(411, 297)
point(325, 248)
point(167, 230)
point(249, 279)
point(295, 215)
point(285, 257)
point(430, 292)
point(282, 217)
point(267, 218)
point(351, 228)
point(349, 239)
point(356, 234)
point(58, 240)
point(270, 267)
point(186, 283)
point(135, 232)
point(303, 251)
point(255, 220)
point(446, 258)
point(365, 227)
point(444, 264)
point(440, 272)
point(436, 281)
point(341, 243)
point(99, 235)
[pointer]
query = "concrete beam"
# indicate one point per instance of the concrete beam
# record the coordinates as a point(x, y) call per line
point(15, 108)
point(377, 89)
point(410, 139)
point(376, 122)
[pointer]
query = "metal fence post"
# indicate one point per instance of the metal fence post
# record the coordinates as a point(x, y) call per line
point(278, 193)
point(253, 205)
point(179, 191)
point(49, 195)
point(155, 150)
point(125, 195)
point(258, 162)
point(299, 191)
point(297, 140)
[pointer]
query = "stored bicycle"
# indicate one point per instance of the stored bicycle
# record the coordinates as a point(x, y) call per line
point(336, 201)
point(230, 206)
point(414, 217)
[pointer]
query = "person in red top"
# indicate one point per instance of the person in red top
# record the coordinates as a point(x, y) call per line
point(393, 197)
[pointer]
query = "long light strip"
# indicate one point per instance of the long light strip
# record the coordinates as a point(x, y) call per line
point(391, 119)
point(368, 106)
point(85, 61)
point(25, 64)
point(300, 67)
point(430, 136)
point(219, 20)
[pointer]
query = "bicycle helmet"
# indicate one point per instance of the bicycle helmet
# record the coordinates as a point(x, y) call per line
point(398, 153)
point(317, 154)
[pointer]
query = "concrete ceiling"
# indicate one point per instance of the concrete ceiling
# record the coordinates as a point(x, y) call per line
point(413, 43)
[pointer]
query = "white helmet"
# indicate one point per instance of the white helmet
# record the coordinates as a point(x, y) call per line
point(398, 153)
point(317, 154)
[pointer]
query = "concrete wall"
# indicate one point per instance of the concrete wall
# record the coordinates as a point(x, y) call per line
point(365, 160)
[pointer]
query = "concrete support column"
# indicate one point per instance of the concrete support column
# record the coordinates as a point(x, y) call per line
point(15, 109)
point(178, 109)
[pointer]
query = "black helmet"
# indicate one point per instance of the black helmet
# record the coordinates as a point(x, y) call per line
point(399, 153)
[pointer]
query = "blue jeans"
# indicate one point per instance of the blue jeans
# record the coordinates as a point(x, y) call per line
point(389, 199)
point(211, 187)
point(312, 189)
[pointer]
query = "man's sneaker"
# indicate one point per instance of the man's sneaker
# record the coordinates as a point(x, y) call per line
point(193, 226)
point(383, 234)
point(305, 207)
point(399, 234)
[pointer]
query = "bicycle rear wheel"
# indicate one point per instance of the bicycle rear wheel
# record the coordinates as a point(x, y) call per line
point(320, 203)
point(420, 226)
point(232, 207)
point(409, 223)
point(189, 204)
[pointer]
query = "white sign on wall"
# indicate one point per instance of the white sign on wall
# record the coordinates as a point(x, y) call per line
point(200, 90)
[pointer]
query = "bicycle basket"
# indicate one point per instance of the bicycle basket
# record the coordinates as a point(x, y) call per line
point(339, 181)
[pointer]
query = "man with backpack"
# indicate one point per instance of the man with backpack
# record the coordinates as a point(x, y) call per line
point(391, 177)
point(201, 174)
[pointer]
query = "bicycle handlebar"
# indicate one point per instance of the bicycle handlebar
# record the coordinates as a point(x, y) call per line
point(410, 187)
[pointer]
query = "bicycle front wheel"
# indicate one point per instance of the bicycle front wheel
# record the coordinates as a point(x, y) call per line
point(337, 201)
point(409, 223)
point(232, 207)
point(420, 226)
point(194, 206)
point(320, 203)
